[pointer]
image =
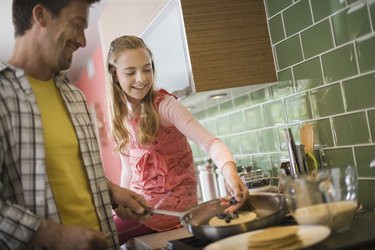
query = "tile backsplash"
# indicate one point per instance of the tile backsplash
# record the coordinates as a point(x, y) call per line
point(325, 60)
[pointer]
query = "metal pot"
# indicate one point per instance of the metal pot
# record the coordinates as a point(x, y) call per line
point(269, 207)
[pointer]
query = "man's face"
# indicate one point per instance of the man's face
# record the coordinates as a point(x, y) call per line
point(64, 34)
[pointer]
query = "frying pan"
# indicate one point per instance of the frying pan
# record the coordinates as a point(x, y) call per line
point(269, 207)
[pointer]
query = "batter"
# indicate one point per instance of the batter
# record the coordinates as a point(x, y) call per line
point(243, 217)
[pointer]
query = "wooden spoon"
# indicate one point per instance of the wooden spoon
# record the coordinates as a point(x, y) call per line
point(307, 138)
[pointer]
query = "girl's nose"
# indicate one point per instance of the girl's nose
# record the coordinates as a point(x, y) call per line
point(140, 77)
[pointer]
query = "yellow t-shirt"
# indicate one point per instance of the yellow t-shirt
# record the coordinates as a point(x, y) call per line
point(64, 165)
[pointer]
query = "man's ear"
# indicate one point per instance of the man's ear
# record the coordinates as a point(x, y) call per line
point(40, 15)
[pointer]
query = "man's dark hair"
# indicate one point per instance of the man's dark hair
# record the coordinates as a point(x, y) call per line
point(22, 11)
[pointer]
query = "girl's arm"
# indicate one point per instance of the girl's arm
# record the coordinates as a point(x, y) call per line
point(173, 113)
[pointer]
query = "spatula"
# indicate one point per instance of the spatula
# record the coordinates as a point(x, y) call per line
point(307, 139)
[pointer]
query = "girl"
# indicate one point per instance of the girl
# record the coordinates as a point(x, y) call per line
point(151, 130)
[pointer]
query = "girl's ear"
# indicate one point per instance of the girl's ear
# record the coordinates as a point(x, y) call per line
point(114, 76)
point(40, 15)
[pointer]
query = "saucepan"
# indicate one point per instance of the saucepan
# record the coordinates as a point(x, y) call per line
point(269, 207)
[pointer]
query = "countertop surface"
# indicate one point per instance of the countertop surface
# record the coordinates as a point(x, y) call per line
point(360, 236)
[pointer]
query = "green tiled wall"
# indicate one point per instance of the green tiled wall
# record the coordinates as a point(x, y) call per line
point(325, 60)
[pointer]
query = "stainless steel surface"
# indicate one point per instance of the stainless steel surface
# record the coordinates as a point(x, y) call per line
point(372, 164)
point(292, 152)
point(207, 181)
point(301, 159)
point(222, 188)
point(269, 207)
point(166, 212)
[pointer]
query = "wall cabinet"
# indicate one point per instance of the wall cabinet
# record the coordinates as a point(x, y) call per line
point(201, 45)
point(229, 44)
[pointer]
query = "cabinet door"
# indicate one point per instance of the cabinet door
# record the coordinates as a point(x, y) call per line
point(228, 42)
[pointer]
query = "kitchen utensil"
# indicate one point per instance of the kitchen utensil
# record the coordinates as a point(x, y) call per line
point(292, 151)
point(307, 138)
point(307, 135)
point(269, 207)
point(207, 181)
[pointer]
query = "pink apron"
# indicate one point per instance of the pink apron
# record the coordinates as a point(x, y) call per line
point(164, 173)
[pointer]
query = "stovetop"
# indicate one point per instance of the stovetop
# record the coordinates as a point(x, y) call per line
point(190, 243)
point(193, 243)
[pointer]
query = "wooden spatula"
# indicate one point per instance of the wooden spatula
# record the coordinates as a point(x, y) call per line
point(307, 138)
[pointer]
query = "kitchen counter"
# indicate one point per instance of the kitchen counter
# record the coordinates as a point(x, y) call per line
point(360, 236)
point(157, 240)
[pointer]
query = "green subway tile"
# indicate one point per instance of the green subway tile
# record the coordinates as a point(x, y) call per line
point(285, 86)
point(260, 96)
point(242, 101)
point(339, 157)
point(213, 111)
point(223, 126)
point(242, 160)
point(226, 106)
point(197, 151)
point(274, 113)
point(298, 108)
point(254, 118)
point(366, 193)
point(249, 143)
point(262, 162)
point(351, 23)
point(289, 52)
point(295, 128)
point(237, 122)
point(327, 101)
point(360, 92)
point(351, 129)
point(233, 143)
point(365, 53)
point(308, 74)
point(201, 115)
point(297, 17)
point(364, 155)
point(210, 126)
point(323, 8)
point(349, 2)
point(371, 118)
point(317, 39)
point(267, 140)
point(339, 63)
point(239, 91)
point(323, 133)
point(371, 5)
point(276, 29)
point(274, 7)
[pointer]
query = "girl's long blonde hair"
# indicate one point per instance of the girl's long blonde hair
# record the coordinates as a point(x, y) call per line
point(117, 103)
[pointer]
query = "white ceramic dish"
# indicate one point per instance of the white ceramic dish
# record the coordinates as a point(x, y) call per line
point(309, 236)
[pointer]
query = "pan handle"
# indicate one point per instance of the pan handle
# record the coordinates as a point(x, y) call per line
point(166, 212)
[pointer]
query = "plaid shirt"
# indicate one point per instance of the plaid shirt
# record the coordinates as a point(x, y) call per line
point(26, 195)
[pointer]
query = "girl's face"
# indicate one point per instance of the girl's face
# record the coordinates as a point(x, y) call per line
point(134, 73)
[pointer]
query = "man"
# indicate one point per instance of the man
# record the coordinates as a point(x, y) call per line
point(53, 190)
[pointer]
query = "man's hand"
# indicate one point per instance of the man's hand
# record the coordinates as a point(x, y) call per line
point(55, 236)
point(126, 203)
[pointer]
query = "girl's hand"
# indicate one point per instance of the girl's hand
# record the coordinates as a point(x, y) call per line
point(235, 186)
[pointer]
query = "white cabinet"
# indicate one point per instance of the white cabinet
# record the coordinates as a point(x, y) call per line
point(166, 38)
